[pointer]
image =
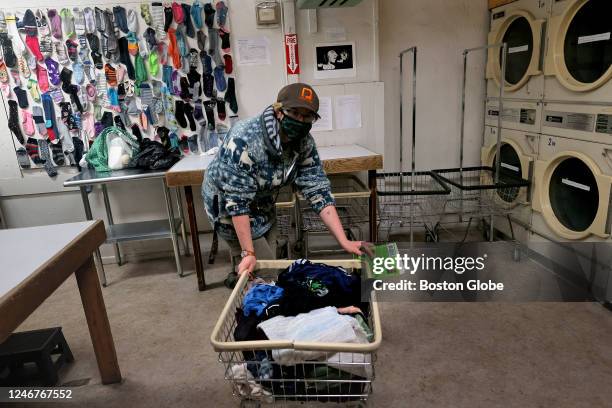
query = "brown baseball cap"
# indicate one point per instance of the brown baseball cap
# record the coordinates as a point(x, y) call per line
point(299, 95)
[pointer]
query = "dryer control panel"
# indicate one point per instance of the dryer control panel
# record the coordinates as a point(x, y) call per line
point(570, 120)
point(604, 124)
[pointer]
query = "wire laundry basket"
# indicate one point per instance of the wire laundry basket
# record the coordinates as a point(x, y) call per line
point(408, 199)
point(343, 373)
point(352, 205)
point(475, 191)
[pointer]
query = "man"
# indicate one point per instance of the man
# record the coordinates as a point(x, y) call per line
point(258, 157)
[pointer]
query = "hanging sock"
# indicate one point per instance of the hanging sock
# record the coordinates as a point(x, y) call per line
point(220, 78)
point(209, 15)
point(230, 95)
point(167, 76)
point(201, 40)
point(145, 13)
point(124, 57)
point(132, 21)
point(157, 14)
point(79, 21)
point(90, 20)
point(45, 155)
point(13, 121)
point(208, 85)
point(177, 13)
point(132, 42)
point(53, 70)
point(153, 64)
point(111, 75)
point(60, 51)
point(179, 113)
point(141, 71)
point(227, 62)
point(67, 23)
point(49, 110)
point(22, 157)
point(213, 46)
point(221, 108)
point(56, 23)
point(72, 47)
point(196, 14)
point(167, 18)
point(188, 109)
point(33, 152)
point(173, 48)
point(210, 114)
point(221, 13)
point(121, 19)
point(39, 121)
point(189, 30)
point(225, 39)
point(22, 97)
point(206, 62)
point(34, 89)
point(94, 45)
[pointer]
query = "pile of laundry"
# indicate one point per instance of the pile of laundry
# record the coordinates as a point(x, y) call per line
point(309, 302)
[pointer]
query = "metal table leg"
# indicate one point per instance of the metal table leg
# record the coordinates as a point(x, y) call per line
point(109, 217)
point(195, 239)
point(173, 235)
point(89, 217)
point(372, 205)
point(181, 214)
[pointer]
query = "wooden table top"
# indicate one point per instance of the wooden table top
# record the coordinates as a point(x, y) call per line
point(336, 159)
point(35, 261)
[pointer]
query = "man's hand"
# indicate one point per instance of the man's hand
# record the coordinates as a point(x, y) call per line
point(352, 247)
point(247, 265)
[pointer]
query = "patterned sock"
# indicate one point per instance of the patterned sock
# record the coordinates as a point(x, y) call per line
point(39, 121)
point(196, 14)
point(210, 114)
point(71, 46)
point(57, 153)
point(111, 75)
point(145, 13)
point(124, 57)
point(192, 141)
point(22, 158)
point(157, 13)
point(67, 23)
point(32, 149)
point(45, 155)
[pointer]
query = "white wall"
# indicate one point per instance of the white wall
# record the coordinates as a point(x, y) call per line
point(31, 198)
point(441, 29)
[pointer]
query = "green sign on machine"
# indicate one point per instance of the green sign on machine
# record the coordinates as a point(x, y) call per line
point(313, 4)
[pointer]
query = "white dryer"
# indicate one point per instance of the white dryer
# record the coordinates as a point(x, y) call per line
point(521, 25)
point(573, 172)
point(518, 152)
point(578, 60)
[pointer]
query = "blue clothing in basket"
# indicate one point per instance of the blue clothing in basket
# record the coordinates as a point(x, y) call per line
point(259, 297)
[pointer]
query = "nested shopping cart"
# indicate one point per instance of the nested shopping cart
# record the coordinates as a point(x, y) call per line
point(481, 192)
point(413, 198)
point(352, 200)
point(410, 200)
point(344, 372)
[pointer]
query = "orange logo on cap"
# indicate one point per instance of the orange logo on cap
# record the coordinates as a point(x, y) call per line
point(306, 94)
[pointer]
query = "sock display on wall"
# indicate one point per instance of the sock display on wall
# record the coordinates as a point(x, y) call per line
point(149, 66)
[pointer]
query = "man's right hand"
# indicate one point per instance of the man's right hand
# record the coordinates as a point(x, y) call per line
point(247, 265)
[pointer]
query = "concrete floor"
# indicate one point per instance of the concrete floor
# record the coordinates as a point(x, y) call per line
point(433, 354)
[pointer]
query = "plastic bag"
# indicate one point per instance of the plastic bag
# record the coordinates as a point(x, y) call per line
point(153, 155)
point(112, 150)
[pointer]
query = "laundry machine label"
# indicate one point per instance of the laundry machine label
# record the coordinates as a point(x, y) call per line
point(570, 120)
point(516, 115)
point(499, 15)
point(575, 184)
point(522, 48)
point(604, 124)
point(594, 38)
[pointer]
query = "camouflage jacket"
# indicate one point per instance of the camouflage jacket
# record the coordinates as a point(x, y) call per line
point(249, 170)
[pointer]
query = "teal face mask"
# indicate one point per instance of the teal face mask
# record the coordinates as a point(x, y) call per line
point(294, 129)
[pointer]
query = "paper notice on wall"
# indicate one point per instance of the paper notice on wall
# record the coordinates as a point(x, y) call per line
point(325, 111)
point(348, 111)
point(253, 51)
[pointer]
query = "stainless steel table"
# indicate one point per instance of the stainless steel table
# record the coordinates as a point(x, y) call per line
point(133, 231)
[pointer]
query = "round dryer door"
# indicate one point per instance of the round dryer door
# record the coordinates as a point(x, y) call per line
point(510, 170)
point(519, 37)
point(573, 194)
point(587, 44)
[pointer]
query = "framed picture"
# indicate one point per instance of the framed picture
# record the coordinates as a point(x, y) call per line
point(335, 60)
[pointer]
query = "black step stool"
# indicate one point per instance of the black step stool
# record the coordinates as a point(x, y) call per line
point(38, 347)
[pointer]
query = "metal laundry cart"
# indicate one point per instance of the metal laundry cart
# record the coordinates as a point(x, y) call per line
point(352, 200)
point(407, 199)
point(480, 192)
point(306, 381)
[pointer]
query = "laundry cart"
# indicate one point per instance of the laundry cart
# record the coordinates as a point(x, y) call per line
point(287, 220)
point(482, 192)
point(352, 201)
point(410, 200)
point(342, 373)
